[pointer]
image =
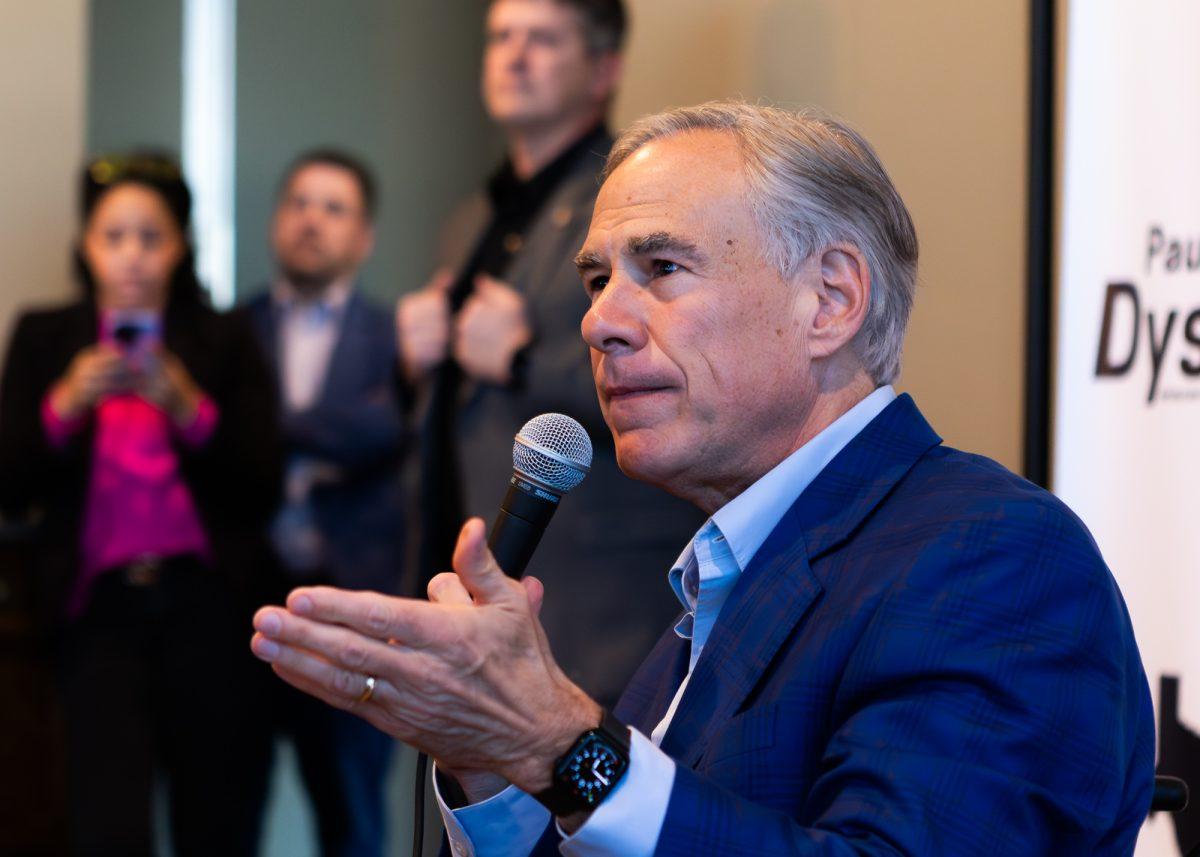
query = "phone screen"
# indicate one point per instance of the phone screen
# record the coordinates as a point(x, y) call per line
point(135, 332)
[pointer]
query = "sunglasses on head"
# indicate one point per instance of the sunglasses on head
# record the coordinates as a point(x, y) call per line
point(107, 169)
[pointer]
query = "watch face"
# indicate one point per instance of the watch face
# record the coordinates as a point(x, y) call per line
point(593, 769)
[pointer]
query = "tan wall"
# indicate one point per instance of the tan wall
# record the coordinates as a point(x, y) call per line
point(42, 61)
point(940, 89)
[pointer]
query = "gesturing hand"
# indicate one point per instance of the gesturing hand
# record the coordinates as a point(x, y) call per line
point(467, 676)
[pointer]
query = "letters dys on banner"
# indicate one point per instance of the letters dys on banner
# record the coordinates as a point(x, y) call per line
point(1126, 426)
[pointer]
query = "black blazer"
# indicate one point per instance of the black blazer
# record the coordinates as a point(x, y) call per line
point(234, 479)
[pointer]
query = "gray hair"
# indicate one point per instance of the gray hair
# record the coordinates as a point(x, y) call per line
point(814, 182)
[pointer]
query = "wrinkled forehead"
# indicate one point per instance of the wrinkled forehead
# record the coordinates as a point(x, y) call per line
point(692, 181)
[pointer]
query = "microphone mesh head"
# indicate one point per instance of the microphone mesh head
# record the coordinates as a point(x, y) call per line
point(553, 450)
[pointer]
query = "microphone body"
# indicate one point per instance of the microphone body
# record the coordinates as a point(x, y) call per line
point(523, 516)
point(551, 455)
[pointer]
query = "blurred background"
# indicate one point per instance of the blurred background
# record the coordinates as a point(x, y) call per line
point(940, 89)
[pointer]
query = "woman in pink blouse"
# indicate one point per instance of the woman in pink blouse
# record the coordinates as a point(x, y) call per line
point(138, 422)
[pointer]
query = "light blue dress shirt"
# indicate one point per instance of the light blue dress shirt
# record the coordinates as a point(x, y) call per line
point(629, 820)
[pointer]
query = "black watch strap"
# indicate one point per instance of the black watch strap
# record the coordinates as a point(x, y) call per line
point(588, 772)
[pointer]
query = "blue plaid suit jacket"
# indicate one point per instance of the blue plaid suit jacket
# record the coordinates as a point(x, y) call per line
point(927, 656)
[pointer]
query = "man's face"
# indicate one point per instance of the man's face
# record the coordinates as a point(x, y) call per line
point(698, 345)
point(321, 231)
point(537, 69)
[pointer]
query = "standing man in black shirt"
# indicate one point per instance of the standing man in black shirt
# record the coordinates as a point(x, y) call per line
point(493, 340)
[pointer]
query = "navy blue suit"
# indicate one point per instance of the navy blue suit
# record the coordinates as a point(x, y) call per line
point(927, 656)
point(356, 424)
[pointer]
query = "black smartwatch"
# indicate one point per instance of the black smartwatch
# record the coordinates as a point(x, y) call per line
point(590, 770)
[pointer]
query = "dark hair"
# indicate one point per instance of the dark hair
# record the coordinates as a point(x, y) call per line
point(332, 157)
point(159, 172)
point(604, 23)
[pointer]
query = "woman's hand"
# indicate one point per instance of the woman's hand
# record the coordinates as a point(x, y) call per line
point(166, 382)
point(95, 372)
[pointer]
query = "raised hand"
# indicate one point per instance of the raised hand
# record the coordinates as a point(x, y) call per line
point(467, 677)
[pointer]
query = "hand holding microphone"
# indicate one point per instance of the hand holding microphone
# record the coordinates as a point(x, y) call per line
point(468, 676)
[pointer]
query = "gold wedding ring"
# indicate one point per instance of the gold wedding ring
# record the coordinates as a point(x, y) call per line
point(365, 696)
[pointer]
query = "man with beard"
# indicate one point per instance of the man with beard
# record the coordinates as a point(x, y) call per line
point(341, 522)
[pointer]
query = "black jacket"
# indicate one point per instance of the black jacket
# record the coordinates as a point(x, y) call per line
point(234, 479)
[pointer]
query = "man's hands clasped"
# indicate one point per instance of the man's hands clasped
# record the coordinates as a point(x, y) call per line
point(484, 337)
point(467, 676)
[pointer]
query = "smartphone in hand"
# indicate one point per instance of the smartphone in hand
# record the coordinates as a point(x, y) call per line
point(135, 332)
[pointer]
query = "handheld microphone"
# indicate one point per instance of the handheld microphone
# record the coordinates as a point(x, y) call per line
point(551, 455)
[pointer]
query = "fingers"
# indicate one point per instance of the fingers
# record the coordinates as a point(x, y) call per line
point(312, 674)
point(498, 295)
point(332, 685)
point(489, 287)
point(381, 617)
point(477, 568)
point(535, 592)
point(441, 281)
point(446, 588)
point(107, 351)
point(339, 646)
point(423, 328)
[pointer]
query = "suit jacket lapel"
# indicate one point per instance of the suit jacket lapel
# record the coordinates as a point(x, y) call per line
point(778, 587)
point(83, 329)
point(773, 594)
point(649, 693)
point(346, 353)
point(264, 317)
point(858, 478)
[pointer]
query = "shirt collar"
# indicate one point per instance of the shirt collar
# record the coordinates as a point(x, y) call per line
point(332, 298)
point(508, 192)
point(747, 519)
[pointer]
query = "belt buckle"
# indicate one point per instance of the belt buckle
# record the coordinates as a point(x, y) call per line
point(143, 571)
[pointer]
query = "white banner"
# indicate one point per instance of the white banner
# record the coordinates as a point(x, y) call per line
point(1126, 438)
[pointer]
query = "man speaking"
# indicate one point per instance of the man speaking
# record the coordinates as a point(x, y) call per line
point(888, 646)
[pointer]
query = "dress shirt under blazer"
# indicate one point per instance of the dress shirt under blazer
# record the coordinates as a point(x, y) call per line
point(927, 656)
point(357, 425)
